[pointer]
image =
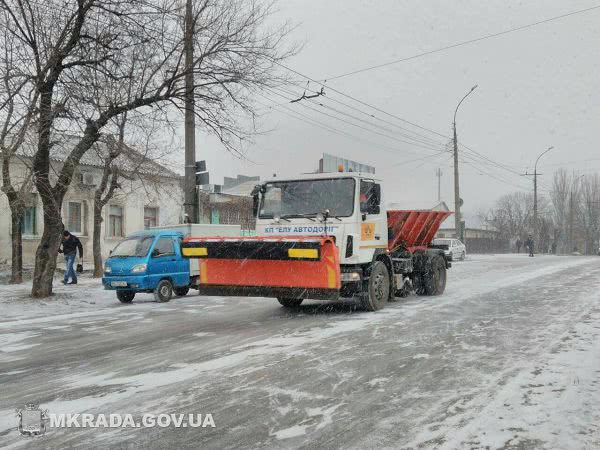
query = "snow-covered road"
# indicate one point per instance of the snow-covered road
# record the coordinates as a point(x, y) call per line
point(508, 357)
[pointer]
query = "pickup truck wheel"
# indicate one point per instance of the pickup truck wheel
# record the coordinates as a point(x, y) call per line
point(164, 291)
point(378, 289)
point(290, 302)
point(181, 291)
point(125, 296)
point(462, 256)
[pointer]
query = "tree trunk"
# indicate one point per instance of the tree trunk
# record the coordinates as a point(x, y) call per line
point(47, 251)
point(16, 237)
point(97, 248)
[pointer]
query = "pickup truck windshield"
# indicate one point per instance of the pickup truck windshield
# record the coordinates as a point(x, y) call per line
point(133, 246)
point(308, 198)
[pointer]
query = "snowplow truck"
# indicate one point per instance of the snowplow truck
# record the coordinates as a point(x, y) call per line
point(326, 237)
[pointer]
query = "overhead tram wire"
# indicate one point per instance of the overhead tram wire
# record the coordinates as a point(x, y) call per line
point(426, 147)
point(370, 115)
point(392, 115)
point(306, 119)
point(467, 42)
point(358, 100)
point(315, 102)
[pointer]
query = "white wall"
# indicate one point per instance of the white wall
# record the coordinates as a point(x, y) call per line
point(166, 195)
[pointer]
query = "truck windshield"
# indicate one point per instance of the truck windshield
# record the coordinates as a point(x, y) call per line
point(308, 198)
point(133, 246)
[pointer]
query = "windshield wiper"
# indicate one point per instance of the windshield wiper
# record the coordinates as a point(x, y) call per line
point(299, 216)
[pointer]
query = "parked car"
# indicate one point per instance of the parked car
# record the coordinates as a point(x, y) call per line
point(151, 261)
point(454, 248)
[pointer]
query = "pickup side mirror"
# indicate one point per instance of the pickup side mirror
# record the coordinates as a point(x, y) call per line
point(155, 253)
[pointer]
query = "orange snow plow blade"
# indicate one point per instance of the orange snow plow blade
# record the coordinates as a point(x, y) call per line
point(294, 267)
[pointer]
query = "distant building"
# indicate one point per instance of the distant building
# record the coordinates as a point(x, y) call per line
point(230, 203)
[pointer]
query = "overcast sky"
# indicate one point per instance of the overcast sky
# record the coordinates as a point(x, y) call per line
point(538, 87)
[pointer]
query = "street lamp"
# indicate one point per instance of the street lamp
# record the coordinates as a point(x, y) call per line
point(457, 214)
point(535, 202)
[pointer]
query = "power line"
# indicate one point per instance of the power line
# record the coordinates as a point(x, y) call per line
point(424, 141)
point(459, 44)
point(309, 120)
point(490, 161)
point(360, 126)
point(373, 116)
point(358, 100)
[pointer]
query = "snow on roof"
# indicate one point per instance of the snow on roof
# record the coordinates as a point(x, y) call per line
point(242, 189)
point(129, 159)
point(324, 176)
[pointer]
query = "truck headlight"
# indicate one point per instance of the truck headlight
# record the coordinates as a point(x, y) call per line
point(107, 268)
point(350, 276)
point(138, 268)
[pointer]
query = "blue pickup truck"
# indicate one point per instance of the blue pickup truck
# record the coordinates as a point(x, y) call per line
point(150, 261)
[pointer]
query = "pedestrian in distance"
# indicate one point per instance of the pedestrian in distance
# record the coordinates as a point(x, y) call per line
point(519, 243)
point(529, 245)
point(554, 247)
point(69, 247)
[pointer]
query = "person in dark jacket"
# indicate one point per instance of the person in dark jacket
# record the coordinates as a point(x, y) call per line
point(529, 245)
point(518, 243)
point(70, 245)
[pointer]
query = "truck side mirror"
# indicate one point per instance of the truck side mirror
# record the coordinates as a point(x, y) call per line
point(376, 196)
point(255, 205)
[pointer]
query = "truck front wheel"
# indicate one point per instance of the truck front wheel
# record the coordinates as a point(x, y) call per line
point(125, 296)
point(164, 291)
point(378, 289)
point(290, 302)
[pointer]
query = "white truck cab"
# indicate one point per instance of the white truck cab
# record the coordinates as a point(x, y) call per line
point(344, 205)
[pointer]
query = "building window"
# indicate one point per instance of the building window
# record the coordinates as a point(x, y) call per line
point(28, 222)
point(150, 217)
point(74, 217)
point(115, 221)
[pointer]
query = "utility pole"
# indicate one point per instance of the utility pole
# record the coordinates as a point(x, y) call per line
point(439, 174)
point(190, 197)
point(535, 196)
point(457, 201)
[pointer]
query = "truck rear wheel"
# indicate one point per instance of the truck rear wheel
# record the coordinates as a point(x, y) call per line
point(164, 291)
point(181, 291)
point(125, 296)
point(378, 289)
point(290, 302)
point(433, 280)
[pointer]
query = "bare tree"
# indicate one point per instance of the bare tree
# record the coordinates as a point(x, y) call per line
point(589, 218)
point(75, 50)
point(513, 215)
point(15, 119)
point(559, 197)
